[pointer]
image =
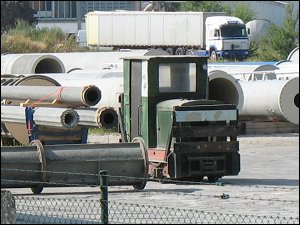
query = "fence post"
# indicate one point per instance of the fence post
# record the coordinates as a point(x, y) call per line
point(104, 196)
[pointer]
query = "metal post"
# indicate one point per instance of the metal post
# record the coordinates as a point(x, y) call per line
point(104, 196)
point(78, 15)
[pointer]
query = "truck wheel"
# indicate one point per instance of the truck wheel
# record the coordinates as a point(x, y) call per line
point(179, 51)
point(189, 52)
point(213, 55)
point(170, 51)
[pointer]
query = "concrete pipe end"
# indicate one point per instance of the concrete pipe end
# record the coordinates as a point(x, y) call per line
point(107, 117)
point(48, 64)
point(91, 95)
point(289, 100)
point(225, 88)
point(69, 118)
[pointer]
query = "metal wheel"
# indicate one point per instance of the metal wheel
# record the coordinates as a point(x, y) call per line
point(141, 185)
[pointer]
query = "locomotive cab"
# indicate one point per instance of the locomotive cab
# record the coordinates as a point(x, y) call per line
point(187, 135)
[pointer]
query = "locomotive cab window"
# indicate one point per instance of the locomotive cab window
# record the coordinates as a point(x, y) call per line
point(177, 77)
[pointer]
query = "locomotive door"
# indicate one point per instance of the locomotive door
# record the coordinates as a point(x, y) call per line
point(136, 100)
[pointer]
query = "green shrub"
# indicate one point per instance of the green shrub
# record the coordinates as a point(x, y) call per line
point(26, 38)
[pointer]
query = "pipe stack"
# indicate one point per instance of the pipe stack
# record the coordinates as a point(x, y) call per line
point(43, 116)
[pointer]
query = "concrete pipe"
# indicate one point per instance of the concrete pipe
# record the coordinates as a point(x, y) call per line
point(95, 60)
point(73, 165)
point(86, 95)
point(17, 130)
point(110, 82)
point(43, 116)
point(244, 72)
point(273, 100)
point(294, 55)
point(9, 79)
point(106, 117)
point(225, 88)
point(30, 64)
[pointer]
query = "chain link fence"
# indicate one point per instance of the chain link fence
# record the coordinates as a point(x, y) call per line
point(75, 209)
point(34, 210)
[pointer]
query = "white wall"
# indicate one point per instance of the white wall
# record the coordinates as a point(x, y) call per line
point(274, 11)
point(66, 26)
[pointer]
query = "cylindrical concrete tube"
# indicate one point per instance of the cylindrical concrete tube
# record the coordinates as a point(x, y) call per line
point(271, 100)
point(72, 165)
point(86, 95)
point(17, 130)
point(30, 64)
point(225, 88)
point(95, 60)
point(9, 79)
point(294, 55)
point(106, 117)
point(244, 72)
point(110, 82)
point(44, 116)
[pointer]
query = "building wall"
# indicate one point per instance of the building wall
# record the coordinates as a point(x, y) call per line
point(64, 13)
point(69, 27)
point(69, 15)
point(273, 11)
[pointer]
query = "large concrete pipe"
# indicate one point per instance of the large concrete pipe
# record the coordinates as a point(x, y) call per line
point(95, 60)
point(85, 95)
point(30, 64)
point(73, 165)
point(273, 100)
point(225, 88)
point(245, 71)
point(43, 116)
point(294, 55)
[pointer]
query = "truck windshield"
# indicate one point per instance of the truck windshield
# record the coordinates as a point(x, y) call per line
point(177, 77)
point(233, 30)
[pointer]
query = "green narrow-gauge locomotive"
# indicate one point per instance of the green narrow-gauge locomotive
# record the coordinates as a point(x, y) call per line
point(187, 135)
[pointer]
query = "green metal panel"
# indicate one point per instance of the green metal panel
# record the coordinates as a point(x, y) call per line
point(150, 99)
point(126, 106)
point(164, 126)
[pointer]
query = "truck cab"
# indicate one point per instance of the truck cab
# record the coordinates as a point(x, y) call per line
point(165, 103)
point(226, 37)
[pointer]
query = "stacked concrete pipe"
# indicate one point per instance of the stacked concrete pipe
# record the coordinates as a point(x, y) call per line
point(272, 100)
point(268, 100)
point(79, 96)
point(30, 64)
point(19, 130)
point(225, 88)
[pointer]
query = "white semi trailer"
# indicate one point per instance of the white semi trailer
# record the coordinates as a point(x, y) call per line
point(178, 33)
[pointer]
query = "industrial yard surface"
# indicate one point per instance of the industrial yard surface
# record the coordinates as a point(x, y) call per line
point(267, 185)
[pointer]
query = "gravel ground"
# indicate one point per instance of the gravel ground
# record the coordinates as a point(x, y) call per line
point(245, 140)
